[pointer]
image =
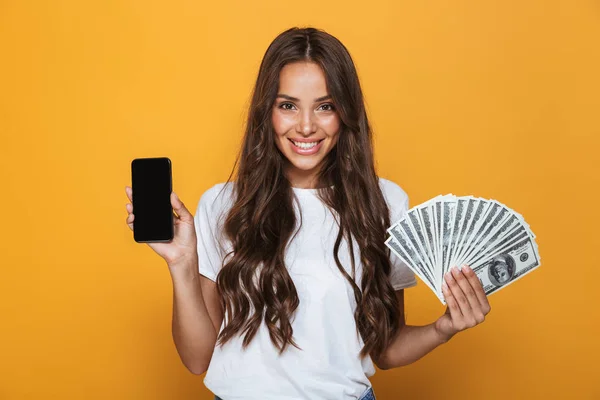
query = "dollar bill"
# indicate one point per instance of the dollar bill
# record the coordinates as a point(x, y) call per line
point(453, 230)
point(426, 218)
point(493, 222)
point(508, 266)
point(401, 250)
point(448, 209)
point(478, 214)
point(466, 220)
point(461, 207)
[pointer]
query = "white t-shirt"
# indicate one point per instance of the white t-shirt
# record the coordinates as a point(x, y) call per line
point(329, 366)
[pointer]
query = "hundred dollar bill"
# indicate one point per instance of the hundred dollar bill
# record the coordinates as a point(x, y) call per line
point(410, 234)
point(418, 230)
point(448, 210)
point(516, 236)
point(407, 255)
point(488, 231)
point(478, 212)
point(484, 223)
point(508, 266)
point(425, 213)
point(468, 216)
point(523, 222)
point(399, 234)
point(461, 208)
point(507, 227)
point(449, 230)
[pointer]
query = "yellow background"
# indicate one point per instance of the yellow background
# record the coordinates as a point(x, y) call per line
point(497, 99)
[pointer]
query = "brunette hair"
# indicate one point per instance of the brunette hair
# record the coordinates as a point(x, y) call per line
point(261, 220)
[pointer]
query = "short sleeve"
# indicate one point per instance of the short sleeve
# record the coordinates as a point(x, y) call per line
point(401, 276)
point(210, 239)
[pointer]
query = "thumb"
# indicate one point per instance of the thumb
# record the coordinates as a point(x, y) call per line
point(180, 209)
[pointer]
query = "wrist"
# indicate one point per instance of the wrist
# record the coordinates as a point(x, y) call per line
point(184, 267)
point(441, 335)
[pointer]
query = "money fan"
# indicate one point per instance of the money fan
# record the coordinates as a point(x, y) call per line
point(448, 231)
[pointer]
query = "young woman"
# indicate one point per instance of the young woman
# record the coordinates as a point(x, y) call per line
point(283, 286)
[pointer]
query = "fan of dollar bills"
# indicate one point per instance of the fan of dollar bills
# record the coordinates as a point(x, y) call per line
point(448, 231)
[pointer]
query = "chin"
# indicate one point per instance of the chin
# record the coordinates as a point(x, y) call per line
point(304, 165)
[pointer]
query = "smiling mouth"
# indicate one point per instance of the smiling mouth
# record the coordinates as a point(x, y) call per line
point(305, 145)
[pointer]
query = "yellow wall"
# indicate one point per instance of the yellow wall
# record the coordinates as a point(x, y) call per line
point(497, 99)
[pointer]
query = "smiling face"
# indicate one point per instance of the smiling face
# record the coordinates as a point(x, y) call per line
point(305, 121)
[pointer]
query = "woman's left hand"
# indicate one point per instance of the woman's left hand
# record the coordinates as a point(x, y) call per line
point(466, 300)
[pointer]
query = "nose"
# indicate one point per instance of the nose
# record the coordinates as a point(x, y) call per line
point(306, 124)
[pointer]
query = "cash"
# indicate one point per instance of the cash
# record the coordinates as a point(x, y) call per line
point(448, 231)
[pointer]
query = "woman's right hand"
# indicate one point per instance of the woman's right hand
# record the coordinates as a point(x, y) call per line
point(183, 246)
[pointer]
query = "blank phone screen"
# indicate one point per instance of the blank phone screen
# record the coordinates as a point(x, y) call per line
point(151, 198)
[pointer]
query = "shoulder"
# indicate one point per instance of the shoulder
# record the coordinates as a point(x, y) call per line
point(218, 192)
point(217, 197)
point(393, 193)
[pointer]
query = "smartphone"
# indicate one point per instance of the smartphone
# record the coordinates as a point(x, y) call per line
point(151, 185)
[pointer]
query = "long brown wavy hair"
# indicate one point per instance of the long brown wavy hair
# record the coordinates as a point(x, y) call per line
point(261, 220)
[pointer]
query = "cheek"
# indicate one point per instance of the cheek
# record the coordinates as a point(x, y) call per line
point(281, 124)
point(330, 125)
point(275, 121)
point(332, 128)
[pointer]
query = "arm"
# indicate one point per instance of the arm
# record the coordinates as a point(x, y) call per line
point(467, 307)
point(196, 315)
point(411, 342)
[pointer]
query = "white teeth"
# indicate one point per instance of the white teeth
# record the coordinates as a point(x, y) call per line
point(305, 145)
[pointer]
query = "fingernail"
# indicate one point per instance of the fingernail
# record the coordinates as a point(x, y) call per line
point(444, 286)
point(467, 268)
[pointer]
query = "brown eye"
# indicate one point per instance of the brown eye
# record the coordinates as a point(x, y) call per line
point(331, 107)
point(282, 106)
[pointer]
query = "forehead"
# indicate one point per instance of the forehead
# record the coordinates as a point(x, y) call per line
point(302, 78)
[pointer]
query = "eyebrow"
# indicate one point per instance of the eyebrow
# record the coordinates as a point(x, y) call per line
point(285, 96)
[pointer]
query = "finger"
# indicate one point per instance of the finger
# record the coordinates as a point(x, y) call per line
point(478, 289)
point(129, 208)
point(465, 285)
point(180, 209)
point(129, 193)
point(129, 221)
point(455, 312)
point(457, 292)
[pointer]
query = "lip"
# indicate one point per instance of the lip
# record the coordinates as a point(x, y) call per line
point(306, 152)
point(305, 140)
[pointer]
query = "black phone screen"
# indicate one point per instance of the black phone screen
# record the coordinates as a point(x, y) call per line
point(151, 184)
